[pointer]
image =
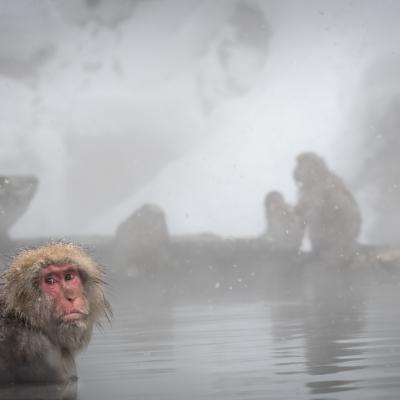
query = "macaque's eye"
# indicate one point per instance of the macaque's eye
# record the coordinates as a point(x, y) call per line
point(50, 280)
point(69, 276)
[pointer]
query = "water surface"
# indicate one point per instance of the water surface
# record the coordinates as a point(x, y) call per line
point(338, 344)
point(328, 336)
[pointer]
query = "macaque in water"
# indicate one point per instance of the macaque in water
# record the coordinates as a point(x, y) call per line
point(51, 298)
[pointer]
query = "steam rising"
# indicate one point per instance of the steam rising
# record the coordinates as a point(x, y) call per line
point(193, 106)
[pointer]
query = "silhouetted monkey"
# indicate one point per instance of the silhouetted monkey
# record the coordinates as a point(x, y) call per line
point(329, 211)
point(284, 227)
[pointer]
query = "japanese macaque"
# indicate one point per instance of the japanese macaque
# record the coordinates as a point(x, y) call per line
point(284, 227)
point(329, 211)
point(51, 299)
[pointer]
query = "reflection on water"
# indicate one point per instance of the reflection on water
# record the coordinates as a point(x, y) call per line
point(39, 392)
point(339, 340)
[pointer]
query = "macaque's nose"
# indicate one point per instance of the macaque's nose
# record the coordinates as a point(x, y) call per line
point(70, 295)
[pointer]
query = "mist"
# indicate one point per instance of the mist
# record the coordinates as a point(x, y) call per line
point(156, 133)
point(115, 105)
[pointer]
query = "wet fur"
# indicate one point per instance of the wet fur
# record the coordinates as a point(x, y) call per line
point(33, 345)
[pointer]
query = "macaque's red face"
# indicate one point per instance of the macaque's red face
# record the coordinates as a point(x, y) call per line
point(63, 284)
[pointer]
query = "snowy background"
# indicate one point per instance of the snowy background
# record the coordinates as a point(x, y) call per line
point(198, 106)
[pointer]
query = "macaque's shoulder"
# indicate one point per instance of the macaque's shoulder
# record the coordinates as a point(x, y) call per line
point(22, 341)
point(27, 354)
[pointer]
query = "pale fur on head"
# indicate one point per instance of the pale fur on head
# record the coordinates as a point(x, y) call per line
point(25, 301)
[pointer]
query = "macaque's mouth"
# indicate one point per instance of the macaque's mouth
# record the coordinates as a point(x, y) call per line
point(73, 315)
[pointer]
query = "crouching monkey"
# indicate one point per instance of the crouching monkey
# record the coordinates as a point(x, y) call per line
point(51, 298)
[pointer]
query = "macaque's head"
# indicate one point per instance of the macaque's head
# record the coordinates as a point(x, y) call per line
point(274, 201)
point(58, 289)
point(310, 169)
